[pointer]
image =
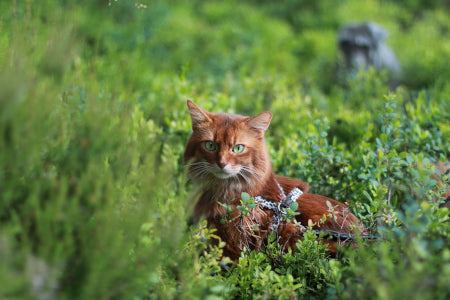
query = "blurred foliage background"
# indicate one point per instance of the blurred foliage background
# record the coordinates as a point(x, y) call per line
point(94, 203)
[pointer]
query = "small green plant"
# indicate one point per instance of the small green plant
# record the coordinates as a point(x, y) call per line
point(93, 126)
point(247, 204)
point(290, 212)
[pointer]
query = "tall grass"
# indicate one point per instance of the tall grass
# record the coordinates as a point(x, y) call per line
point(94, 203)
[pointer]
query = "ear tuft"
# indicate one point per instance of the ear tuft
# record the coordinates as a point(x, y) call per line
point(261, 121)
point(198, 115)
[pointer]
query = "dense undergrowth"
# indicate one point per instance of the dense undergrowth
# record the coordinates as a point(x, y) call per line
point(94, 203)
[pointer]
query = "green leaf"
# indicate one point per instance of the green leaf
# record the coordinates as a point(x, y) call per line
point(245, 197)
point(294, 206)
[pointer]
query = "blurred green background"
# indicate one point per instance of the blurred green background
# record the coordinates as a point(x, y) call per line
point(94, 202)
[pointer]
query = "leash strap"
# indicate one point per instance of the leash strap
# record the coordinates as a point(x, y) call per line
point(279, 207)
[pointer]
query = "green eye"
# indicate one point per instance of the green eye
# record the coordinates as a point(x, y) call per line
point(238, 148)
point(210, 146)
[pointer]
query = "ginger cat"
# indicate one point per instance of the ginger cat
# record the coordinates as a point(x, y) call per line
point(227, 155)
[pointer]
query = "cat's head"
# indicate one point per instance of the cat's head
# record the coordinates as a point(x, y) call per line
point(226, 149)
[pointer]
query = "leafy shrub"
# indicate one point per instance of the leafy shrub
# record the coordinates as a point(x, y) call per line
point(93, 199)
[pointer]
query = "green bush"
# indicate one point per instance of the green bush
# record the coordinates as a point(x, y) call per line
point(94, 203)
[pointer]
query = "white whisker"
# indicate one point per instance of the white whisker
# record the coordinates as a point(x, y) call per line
point(245, 177)
point(198, 170)
point(204, 173)
point(247, 172)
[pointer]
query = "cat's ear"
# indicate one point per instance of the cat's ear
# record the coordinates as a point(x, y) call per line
point(198, 115)
point(261, 121)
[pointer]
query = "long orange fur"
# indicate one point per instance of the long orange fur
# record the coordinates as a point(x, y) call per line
point(223, 174)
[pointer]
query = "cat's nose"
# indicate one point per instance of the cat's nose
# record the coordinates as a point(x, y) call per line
point(221, 164)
